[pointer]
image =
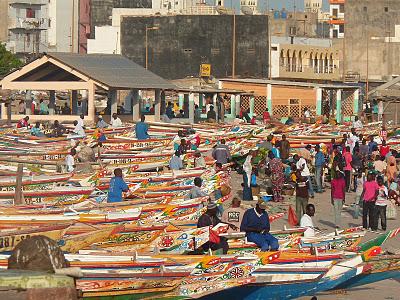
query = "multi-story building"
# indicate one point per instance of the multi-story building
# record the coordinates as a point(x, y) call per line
point(37, 26)
point(27, 26)
point(372, 40)
point(336, 8)
point(249, 6)
point(304, 59)
point(314, 6)
point(3, 21)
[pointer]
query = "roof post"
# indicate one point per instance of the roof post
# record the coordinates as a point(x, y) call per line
point(135, 105)
point(157, 105)
point(91, 107)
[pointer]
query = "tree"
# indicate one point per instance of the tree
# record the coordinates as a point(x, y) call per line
point(8, 61)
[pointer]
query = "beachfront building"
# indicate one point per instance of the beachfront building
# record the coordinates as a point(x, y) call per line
point(305, 59)
point(288, 98)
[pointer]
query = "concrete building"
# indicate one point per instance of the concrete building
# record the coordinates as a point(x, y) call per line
point(305, 59)
point(314, 6)
point(180, 44)
point(249, 6)
point(62, 31)
point(372, 40)
point(337, 8)
point(27, 26)
point(3, 21)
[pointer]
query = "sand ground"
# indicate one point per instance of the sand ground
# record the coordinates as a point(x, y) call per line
point(324, 219)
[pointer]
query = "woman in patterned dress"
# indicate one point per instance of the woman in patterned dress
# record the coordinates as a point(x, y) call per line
point(277, 176)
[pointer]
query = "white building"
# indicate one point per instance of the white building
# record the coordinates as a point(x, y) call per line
point(248, 5)
point(336, 9)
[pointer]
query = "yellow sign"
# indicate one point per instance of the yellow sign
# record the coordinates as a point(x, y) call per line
point(205, 70)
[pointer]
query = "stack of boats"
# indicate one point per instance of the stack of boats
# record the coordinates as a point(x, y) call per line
point(143, 247)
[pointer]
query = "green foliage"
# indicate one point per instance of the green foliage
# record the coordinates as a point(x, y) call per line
point(8, 61)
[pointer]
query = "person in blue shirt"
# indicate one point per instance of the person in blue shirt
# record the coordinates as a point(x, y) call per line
point(372, 145)
point(169, 111)
point(319, 167)
point(255, 223)
point(117, 186)
point(141, 129)
point(175, 162)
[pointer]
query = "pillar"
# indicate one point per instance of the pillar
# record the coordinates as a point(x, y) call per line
point(356, 102)
point(269, 98)
point(237, 105)
point(112, 94)
point(28, 103)
point(91, 106)
point(157, 106)
point(135, 105)
point(191, 108)
point(339, 106)
point(74, 99)
point(234, 112)
point(215, 104)
point(319, 101)
point(251, 106)
point(185, 105)
point(52, 102)
point(181, 99)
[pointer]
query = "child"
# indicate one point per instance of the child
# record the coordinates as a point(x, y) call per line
point(338, 193)
point(360, 186)
point(394, 191)
point(370, 192)
point(380, 204)
point(301, 195)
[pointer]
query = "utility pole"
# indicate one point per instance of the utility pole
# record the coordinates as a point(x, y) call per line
point(234, 44)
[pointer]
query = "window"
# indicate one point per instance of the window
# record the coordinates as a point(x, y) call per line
point(365, 9)
point(187, 50)
point(386, 9)
point(335, 12)
point(294, 101)
point(30, 13)
point(341, 8)
point(49, 22)
point(335, 33)
point(341, 28)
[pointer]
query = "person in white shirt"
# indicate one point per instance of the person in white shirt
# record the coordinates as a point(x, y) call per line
point(307, 113)
point(380, 110)
point(307, 222)
point(80, 120)
point(357, 124)
point(352, 139)
point(78, 130)
point(301, 165)
point(115, 121)
point(70, 161)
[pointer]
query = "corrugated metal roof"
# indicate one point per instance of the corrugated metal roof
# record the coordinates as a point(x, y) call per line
point(112, 70)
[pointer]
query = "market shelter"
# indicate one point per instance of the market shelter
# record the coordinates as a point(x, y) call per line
point(288, 98)
point(90, 73)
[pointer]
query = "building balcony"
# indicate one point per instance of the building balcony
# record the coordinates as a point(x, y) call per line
point(28, 23)
point(309, 72)
point(28, 2)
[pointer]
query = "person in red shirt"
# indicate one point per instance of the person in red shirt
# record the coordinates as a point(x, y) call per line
point(23, 122)
point(266, 116)
point(253, 119)
point(369, 196)
point(347, 169)
point(384, 149)
point(338, 195)
point(383, 133)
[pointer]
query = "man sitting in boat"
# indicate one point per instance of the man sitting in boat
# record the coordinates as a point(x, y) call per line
point(256, 225)
point(78, 130)
point(70, 160)
point(101, 123)
point(307, 222)
point(209, 218)
point(115, 121)
point(196, 192)
point(23, 122)
point(117, 186)
point(57, 129)
point(141, 129)
point(175, 162)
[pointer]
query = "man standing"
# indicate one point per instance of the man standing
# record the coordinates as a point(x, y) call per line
point(284, 148)
point(319, 167)
point(199, 161)
point(169, 111)
point(70, 160)
point(81, 120)
point(234, 214)
point(256, 225)
point(307, 222)
point(117, 186)
point(196, 192)
point(301, 165)
point(372, 144)
point(115, 121)
point(141, 129)
point(357, 124)
point(211, 115)
point(221, 153)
